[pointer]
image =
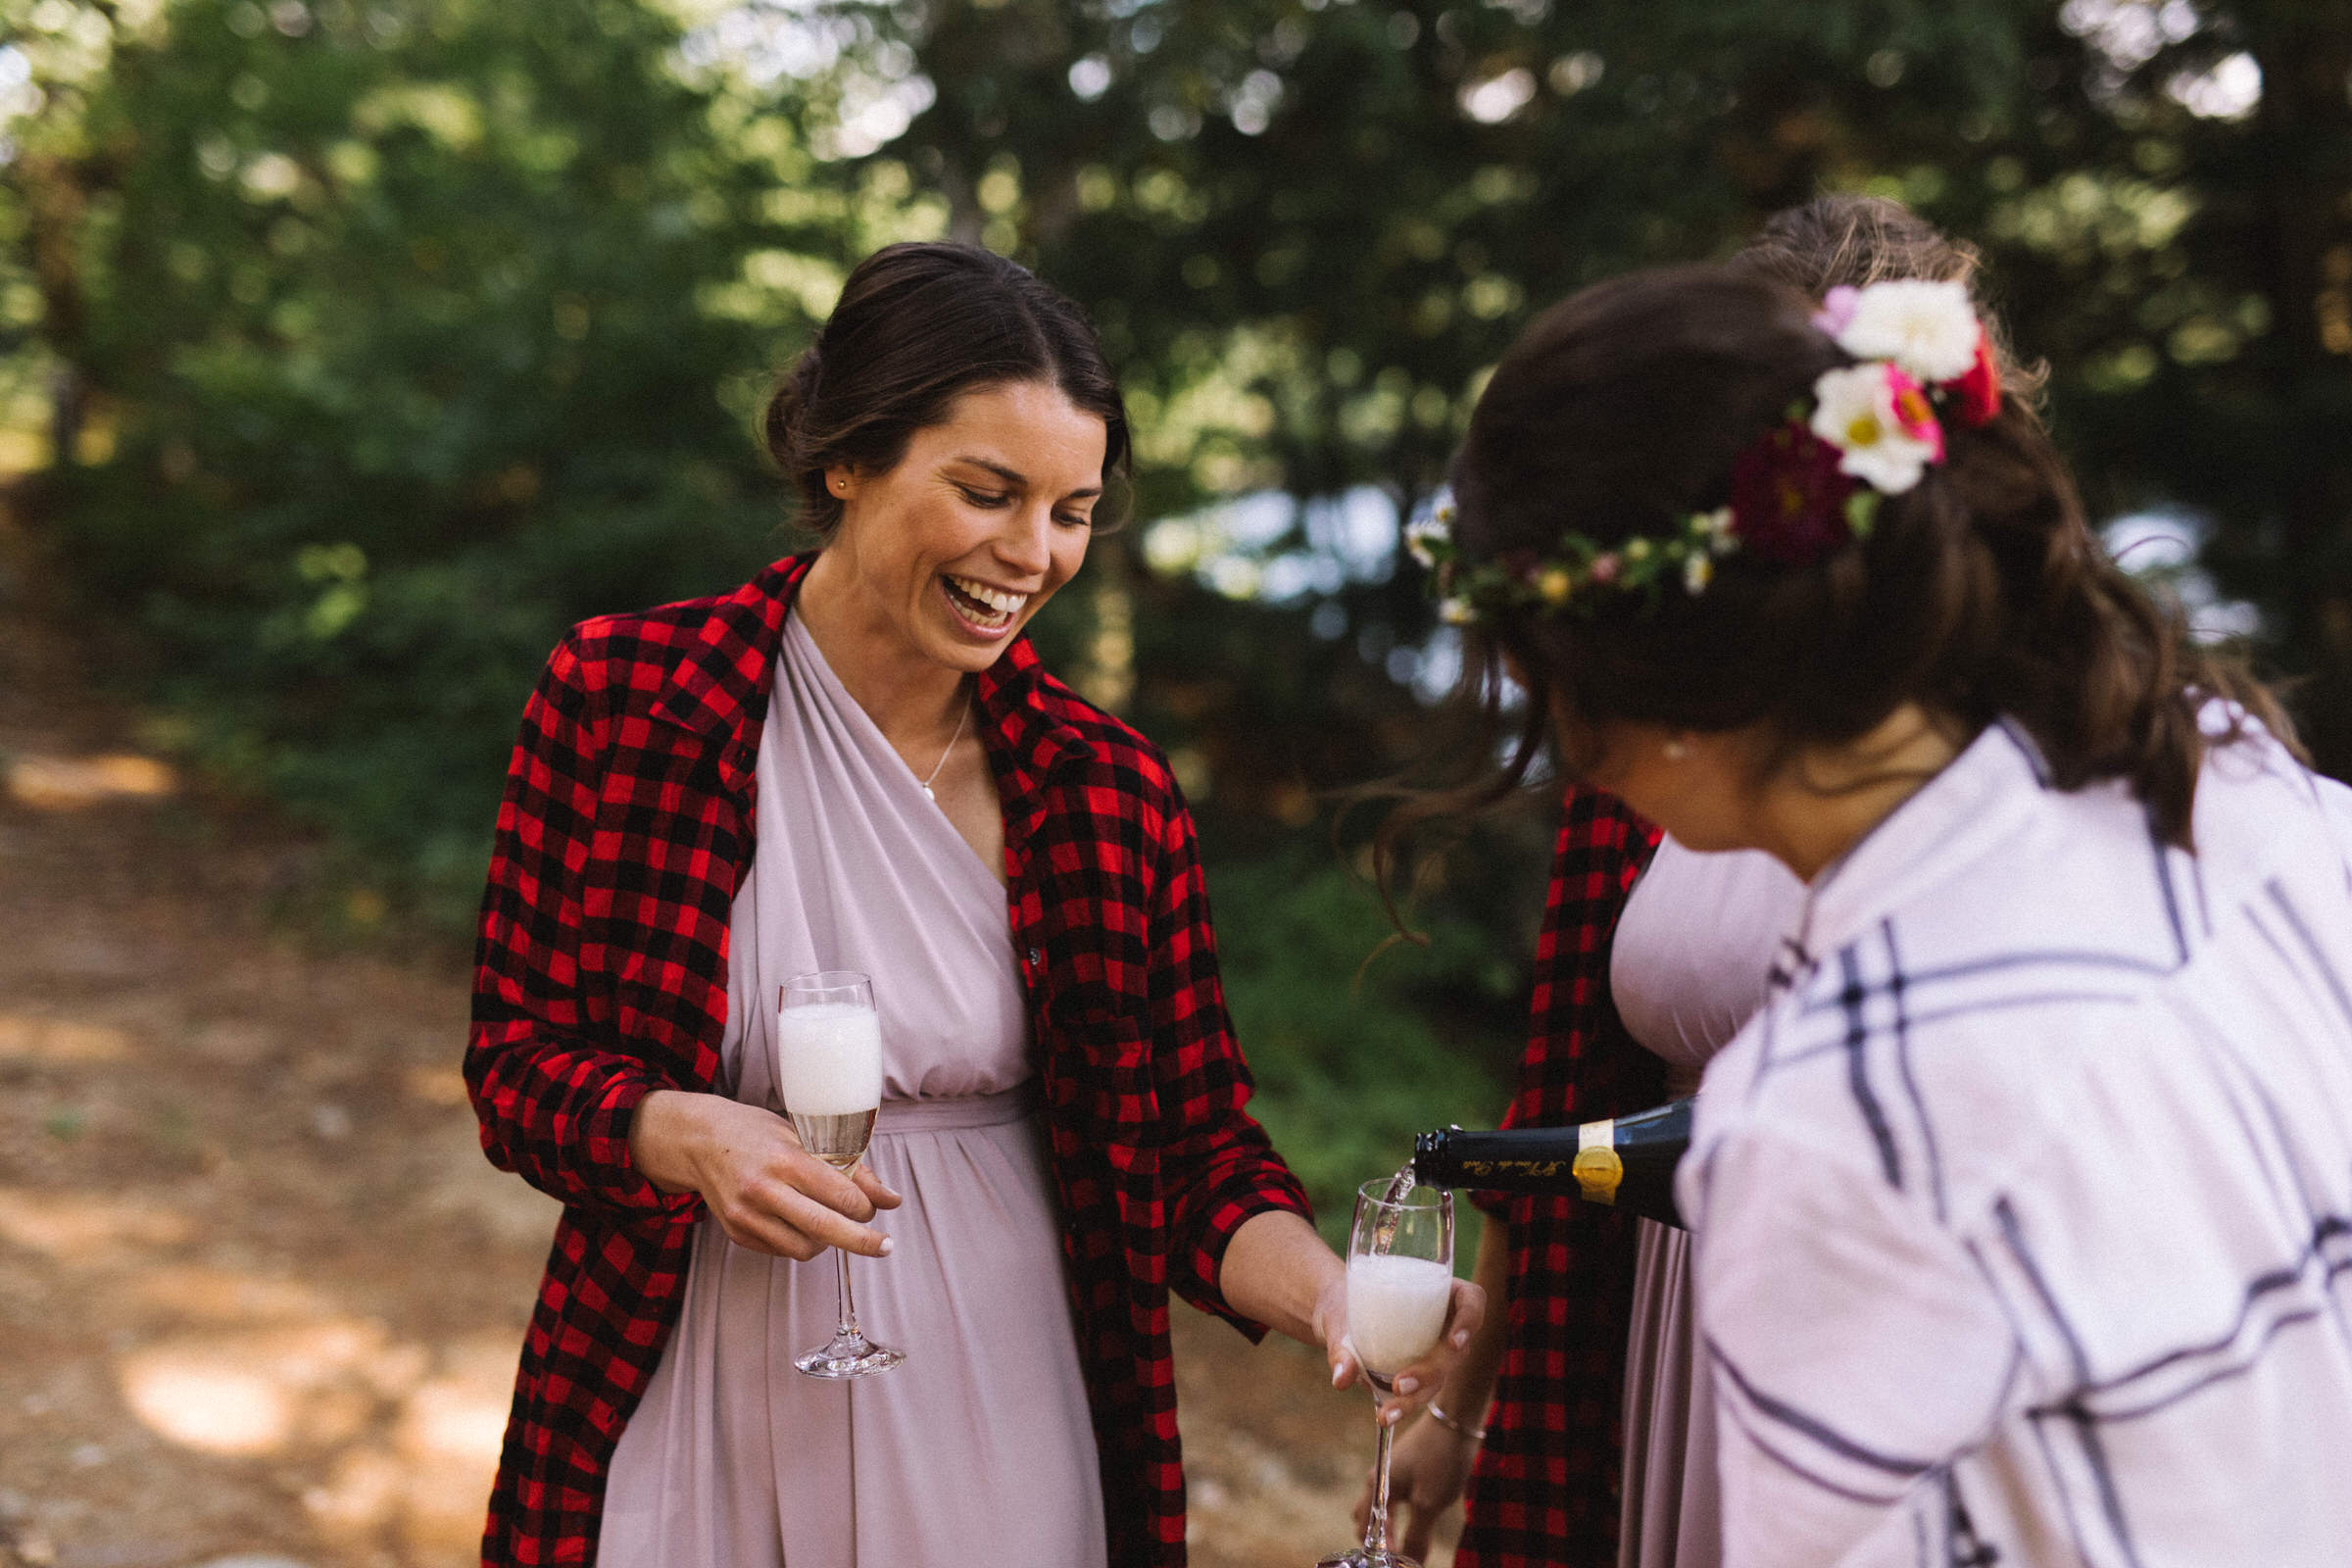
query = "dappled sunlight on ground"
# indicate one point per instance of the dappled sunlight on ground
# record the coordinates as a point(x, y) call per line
point(72, 783)
point(76, 1227)
point(24, 1037)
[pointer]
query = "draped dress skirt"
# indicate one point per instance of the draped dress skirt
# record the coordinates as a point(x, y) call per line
point(978, 1449)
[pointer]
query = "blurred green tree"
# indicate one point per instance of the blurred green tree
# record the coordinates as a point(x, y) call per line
point(391, 339)
point(1310, 226)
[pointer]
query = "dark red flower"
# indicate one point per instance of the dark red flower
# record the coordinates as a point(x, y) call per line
point(1976, 396)
point(1788, 499)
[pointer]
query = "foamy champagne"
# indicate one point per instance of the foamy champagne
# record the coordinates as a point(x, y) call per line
point(829, 1073)
point(1396, 1309)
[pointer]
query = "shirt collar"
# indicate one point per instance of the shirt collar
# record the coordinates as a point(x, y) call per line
point(1020, 717)
point(1961, 814)
point(719, 687)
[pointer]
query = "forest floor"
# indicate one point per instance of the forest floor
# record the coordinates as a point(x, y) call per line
point(260, 1295)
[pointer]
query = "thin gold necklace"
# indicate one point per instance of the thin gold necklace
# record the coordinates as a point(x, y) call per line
point(962, 716)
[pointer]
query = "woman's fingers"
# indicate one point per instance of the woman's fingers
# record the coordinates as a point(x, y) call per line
point(1463, 1315)
point(791, 1226)
point(828, 1227)
point(796, 1210)
point(821, 1183)
point(878, 1191)
point(1415, 1383)
point(1344, 1368)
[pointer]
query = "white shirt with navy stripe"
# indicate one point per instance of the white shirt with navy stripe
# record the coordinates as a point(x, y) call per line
point(2023, 1210)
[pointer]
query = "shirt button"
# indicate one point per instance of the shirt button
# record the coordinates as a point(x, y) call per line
point(1036, 958)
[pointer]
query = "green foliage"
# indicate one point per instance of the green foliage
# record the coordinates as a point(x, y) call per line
point(418, 333)
point(1353, 1058)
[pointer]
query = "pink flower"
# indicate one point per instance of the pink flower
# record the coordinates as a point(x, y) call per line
point(1914, 415)
point(1837, 309)
point(1605, 567)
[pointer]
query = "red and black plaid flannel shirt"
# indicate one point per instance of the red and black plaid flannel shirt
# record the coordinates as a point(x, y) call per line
point(1545, 1492)
point(602, 976)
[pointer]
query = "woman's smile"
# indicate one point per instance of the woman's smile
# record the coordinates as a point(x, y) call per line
point(985, 610)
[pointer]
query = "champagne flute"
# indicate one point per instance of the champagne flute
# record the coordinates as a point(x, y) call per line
point(829, 1073)
point(1400, 1284)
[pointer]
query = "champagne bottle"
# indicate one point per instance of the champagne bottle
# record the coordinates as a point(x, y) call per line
point(1626, 1161)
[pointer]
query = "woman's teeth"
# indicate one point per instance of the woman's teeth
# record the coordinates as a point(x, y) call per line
point(986, 606)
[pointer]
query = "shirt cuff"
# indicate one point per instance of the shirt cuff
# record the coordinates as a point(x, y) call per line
point(612, 1170)
point(1199, 1269)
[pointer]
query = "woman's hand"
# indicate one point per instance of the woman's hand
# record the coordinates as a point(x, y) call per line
point(1428, 1470)
point(767, 1193)
point(1414, 1384)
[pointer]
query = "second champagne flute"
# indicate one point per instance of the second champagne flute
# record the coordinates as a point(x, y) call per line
point(829, 1073)
point(1400, 1283)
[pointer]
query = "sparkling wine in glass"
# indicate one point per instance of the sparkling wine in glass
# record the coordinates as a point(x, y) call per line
point(829, 1074)
point(1400, 1283)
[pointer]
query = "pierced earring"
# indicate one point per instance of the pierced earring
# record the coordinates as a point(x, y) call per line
point(1676, 751)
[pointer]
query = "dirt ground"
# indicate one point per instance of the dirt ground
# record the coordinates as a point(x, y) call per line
point(260, 1294)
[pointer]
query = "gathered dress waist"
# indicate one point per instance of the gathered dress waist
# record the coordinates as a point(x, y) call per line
point(1021, 1101)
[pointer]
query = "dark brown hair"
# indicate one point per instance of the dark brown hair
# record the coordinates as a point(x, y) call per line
point(1978, 593)
point(916, 327)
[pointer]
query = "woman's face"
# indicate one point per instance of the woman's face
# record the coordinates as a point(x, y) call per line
point(989, 513)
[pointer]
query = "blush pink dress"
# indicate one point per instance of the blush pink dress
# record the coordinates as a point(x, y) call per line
point(979, 1448)
point(1687, 968)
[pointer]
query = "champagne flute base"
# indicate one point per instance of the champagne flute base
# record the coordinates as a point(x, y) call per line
point(848, 1356)
point(1361, 1558)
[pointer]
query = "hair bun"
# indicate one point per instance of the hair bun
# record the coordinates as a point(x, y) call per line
point(787, 409)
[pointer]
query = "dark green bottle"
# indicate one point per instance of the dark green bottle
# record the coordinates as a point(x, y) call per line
point(1625, 1162)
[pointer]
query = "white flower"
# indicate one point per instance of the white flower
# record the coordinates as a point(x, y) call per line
point(1457, 610)
point(1698, 570)
point(1419, 535)
point(1854, 412)
point(1929, 329)
point(1716, 525)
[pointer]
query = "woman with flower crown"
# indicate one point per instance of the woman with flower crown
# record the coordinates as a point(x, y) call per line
point(2022, 1209)
point(1652, 957)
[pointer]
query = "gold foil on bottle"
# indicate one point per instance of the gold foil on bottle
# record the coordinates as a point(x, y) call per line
point(1597, 1169)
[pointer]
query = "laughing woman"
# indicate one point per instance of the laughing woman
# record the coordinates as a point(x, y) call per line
point(1063, 1133)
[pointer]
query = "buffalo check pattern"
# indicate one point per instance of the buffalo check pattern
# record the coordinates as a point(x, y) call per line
point(1545, 1492)
point(601, 975)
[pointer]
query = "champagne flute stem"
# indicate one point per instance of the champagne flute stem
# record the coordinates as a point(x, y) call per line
point(1376, 1523)
point(849, 1304)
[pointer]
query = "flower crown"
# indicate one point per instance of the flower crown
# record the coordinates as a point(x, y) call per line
point(1805, 488)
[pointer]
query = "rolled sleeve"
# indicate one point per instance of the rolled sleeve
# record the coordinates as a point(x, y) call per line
point(1218, 1169)
point(555, 1105)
